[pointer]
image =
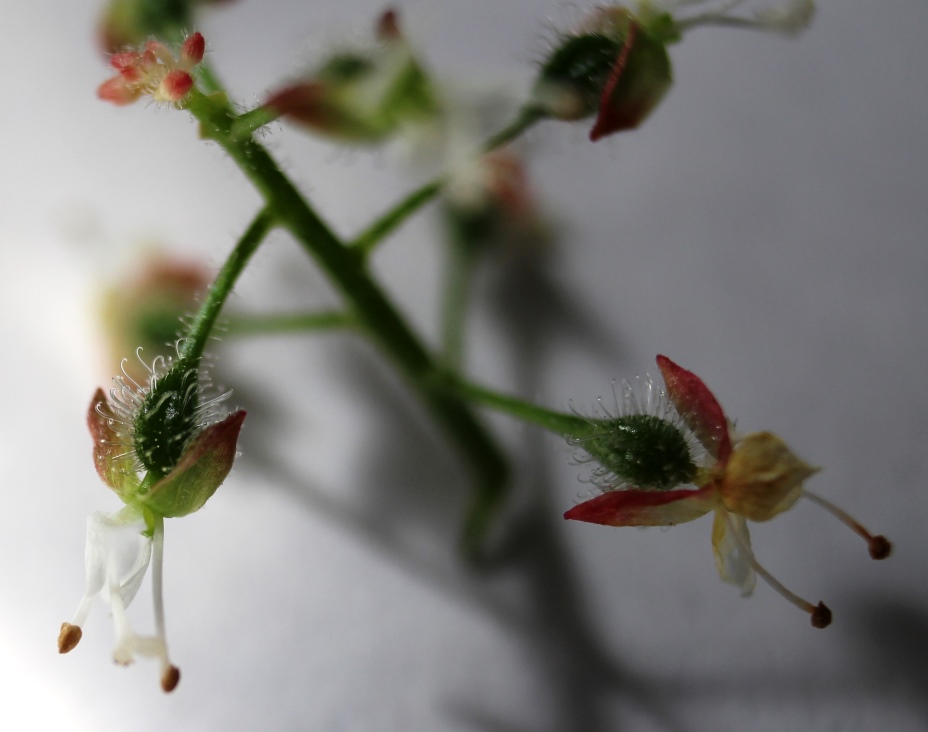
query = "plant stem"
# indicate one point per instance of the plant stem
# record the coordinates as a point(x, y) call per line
point(568, 425)
point(252, 121)
point(527, 116)
point(365, 242)
point(458, 274)
point(252, 325)
point(372, 310)
point(192, 348)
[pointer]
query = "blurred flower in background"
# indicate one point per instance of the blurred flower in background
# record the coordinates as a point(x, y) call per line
point(146, 309)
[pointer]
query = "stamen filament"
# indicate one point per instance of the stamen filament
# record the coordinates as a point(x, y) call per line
point(880, 547)
point(821, 615)
point(157, 566)
point(170, 674)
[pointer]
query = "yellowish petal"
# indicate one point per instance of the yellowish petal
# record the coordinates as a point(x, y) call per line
point(763, 477)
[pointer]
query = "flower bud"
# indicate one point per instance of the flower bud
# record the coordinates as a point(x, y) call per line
point(144, 309)
point(154, 70)
point(489, 204)
point(614, 64)
point(363, 95)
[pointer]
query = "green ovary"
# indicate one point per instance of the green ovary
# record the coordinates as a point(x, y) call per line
point(583, 64)
point(167, 420)
point(643, 450)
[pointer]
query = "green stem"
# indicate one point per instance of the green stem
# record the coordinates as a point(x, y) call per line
point(207, 78)
point(527, 116)
point(192, 348)
point(460, 268)
point(253, 120)
point(371, 308)
point(365, 242)
point(568, 425)
point(382, 227)
point(252, 325)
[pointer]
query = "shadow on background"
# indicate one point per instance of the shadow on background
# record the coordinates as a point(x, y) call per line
point(414, 498)
point(408, 499)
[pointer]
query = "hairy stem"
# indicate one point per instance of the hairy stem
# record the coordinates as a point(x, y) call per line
point(386, 224)
point(375, 314)
point(192, 347)
point(365, 242)
point(570, 425)
point(458, 275)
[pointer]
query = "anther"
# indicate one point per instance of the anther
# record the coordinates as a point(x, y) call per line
point(880, 547)
point(170, 678)
point(821, 616)
point(69, 637)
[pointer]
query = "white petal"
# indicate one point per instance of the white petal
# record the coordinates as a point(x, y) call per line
point(731, 543)
point(95, 553)
point(116, 540)
point(129, 586)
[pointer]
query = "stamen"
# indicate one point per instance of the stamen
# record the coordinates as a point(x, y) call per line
point(69, 637)
point(170, 674)
point(170, 678)
point(157, 571)
point(821, 615)
point(880, 547)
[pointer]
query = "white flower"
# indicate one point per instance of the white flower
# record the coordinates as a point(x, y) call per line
point(119, 551)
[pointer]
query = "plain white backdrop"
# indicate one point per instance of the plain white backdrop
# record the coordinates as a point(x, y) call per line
point(766, 229)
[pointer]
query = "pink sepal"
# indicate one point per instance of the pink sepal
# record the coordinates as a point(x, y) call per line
point(114, 461)
point(698, 407)
point(644, 508)
point(202, 468)
point(612, 118)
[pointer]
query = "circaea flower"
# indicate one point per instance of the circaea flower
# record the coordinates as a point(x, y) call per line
point(615, 64)
point(755, 477)
point(164, 450)
point(363, 95)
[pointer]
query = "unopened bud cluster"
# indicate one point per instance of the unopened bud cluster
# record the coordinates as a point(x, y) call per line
point(154, 71)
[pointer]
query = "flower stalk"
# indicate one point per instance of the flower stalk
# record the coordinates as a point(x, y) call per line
point(374, 313)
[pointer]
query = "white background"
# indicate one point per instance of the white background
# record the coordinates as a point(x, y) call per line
point(765, 229)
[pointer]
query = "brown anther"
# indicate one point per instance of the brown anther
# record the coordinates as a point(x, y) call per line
point(880, 547)
point(170, 678)
point(69, 637)
point(821, 616)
